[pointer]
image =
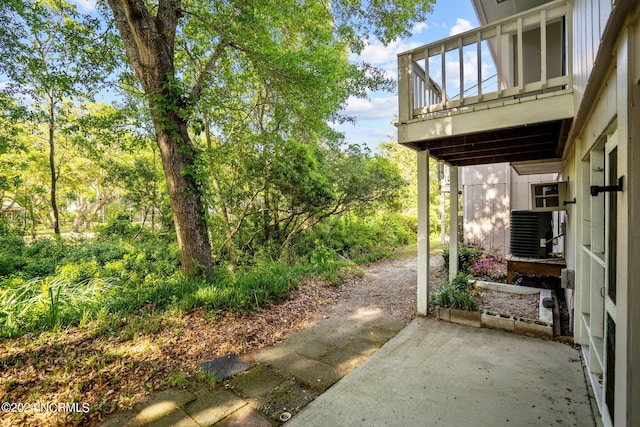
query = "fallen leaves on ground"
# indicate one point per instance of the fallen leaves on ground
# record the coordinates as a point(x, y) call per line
point(109, 371)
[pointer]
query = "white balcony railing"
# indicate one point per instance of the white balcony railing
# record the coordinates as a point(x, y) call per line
point(524, 54)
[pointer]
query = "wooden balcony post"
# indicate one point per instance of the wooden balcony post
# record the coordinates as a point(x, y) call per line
point(444, 75)
point(479, 63)
point(543, 48)
point(461, 60)
point(520, 58)
point(405, 83)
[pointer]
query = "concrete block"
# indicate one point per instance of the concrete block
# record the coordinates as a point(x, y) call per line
point(533, 329)
point(258, 382)
point(443, 314)
point(498, 322)
point(311, 372)
point(464, 317)
point(246, 417)
point(163, 404)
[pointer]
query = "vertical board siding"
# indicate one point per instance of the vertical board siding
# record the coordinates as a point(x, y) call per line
point(589, 23)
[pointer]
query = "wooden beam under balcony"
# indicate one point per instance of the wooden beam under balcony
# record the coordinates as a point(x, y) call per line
point(537, 141)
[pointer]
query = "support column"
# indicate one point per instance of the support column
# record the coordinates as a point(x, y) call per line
point(423, 232)
point(453, 222)
point(443, 221)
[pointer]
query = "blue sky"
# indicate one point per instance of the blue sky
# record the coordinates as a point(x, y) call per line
point(375, 116)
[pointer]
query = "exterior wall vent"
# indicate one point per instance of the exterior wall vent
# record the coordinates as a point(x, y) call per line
point(531, 234)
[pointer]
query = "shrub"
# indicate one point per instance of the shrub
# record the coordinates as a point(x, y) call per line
point(467, 255)
point(119, 226)
point(489, 268)
point(38, 304)
point(355, 238)
point(459, 294)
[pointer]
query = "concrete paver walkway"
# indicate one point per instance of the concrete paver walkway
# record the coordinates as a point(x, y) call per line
point(431, 373)
point(283, 378)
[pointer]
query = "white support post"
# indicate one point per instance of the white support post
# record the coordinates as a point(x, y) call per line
point(453, 222)
point(443, 221)
point(423, 233)
point(443, 72)
point(461, 71)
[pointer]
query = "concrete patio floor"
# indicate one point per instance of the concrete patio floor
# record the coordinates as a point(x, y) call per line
point(436, 373)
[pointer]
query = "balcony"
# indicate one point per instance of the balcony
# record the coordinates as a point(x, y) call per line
point(501, 92)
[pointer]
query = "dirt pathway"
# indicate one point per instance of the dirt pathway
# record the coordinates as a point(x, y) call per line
point(387, 286)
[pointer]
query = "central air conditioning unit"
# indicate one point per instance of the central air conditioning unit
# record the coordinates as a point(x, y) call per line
point(531, 234)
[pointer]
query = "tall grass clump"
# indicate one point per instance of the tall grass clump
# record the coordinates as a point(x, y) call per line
point(460, 294)
point(48, 303)
point(244, 290)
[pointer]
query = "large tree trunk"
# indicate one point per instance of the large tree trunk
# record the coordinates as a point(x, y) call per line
point(149, 42)
point(185, 196)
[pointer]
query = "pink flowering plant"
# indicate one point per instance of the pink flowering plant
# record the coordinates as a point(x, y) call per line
point(489, 266)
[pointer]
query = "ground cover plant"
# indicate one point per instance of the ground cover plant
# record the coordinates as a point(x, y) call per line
point(221, 142)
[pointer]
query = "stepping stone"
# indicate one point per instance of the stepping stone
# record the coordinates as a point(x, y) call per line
point(225, 367)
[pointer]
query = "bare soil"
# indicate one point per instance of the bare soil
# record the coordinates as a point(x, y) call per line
point(524, 306)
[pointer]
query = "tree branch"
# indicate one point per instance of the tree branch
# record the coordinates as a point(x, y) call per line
point(196, 91)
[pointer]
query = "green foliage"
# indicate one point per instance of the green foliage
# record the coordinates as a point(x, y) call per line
point(120, 226)
point(406, 163)
point(283, 195)
point(48, 303)
point(244, 290)
point(354, 238)
point(467, 256)
point(459, 294)
point(50, 283)
point(478, 262)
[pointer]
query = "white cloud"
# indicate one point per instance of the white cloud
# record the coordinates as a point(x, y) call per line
point(372, 109)
point(461, 26)
point(369, 136)
point(419, 28)
point(384, 57)
point(378, 54)
point(86, 5)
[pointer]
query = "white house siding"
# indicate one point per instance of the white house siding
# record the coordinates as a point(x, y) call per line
point(613, 119)
point(630, 264)
point(589, 22)
point(490, 193)
point(486, 201)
